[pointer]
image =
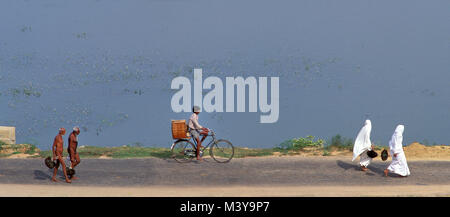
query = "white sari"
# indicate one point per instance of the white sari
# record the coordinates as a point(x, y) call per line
point(363, 144)
point(398, 165)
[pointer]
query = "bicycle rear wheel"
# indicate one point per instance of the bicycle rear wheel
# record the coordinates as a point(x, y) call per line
point(222, 151)
point(183, 151)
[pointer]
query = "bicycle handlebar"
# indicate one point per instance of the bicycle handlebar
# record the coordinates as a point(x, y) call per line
point(211, 132)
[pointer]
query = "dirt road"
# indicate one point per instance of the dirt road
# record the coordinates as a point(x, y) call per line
point(269, 176)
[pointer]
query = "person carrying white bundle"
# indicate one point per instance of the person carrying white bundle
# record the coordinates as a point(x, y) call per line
point(398, 165)
point(363, 145)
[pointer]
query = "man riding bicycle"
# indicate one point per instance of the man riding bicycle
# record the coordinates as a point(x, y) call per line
point(195, 129)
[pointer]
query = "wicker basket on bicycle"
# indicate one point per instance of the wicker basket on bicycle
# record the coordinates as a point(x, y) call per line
point(179, 129)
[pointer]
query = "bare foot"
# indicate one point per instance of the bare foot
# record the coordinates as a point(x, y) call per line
point(363, 168)
point(386, 172)
point(54, 180)
point(68, 181)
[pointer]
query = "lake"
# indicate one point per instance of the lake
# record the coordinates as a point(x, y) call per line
point(107, 67)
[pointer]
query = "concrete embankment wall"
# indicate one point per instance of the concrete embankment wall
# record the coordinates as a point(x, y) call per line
point(8, 134)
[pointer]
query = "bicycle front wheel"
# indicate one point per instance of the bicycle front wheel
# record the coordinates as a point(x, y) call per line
point(222, 151)
point(183, 151)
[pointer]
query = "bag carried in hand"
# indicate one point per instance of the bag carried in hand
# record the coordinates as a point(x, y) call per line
point(372, 154)
point(384, 155)
point(49, 163)
point(70, 172)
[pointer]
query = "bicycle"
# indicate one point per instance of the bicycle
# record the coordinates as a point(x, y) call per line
point(183, 150)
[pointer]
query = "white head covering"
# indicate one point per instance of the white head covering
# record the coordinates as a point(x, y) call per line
point(362, 141)
point(395, 145)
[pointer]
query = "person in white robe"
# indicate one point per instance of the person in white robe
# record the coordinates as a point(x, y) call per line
point(398, 165)
point(363, 145)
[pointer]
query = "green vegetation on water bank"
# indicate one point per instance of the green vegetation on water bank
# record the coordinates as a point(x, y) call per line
point(299, 144)
point(142, 152)
point(7, 150)
point(117, 152)
point(308, 145)
point(2, 144)
point(289, 147)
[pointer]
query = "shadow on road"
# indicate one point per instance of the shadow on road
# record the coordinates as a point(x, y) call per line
point(346, 166)
point(194, 161)
point(376, 169)
point(39, 175)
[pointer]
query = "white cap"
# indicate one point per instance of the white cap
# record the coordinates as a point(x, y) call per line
point(196, 109)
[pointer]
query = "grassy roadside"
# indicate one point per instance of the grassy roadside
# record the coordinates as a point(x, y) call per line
point(308, 145)
point(302, 146)
point(142, 152)
point(414, 150)
point(7, 150)
point(116, 152)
